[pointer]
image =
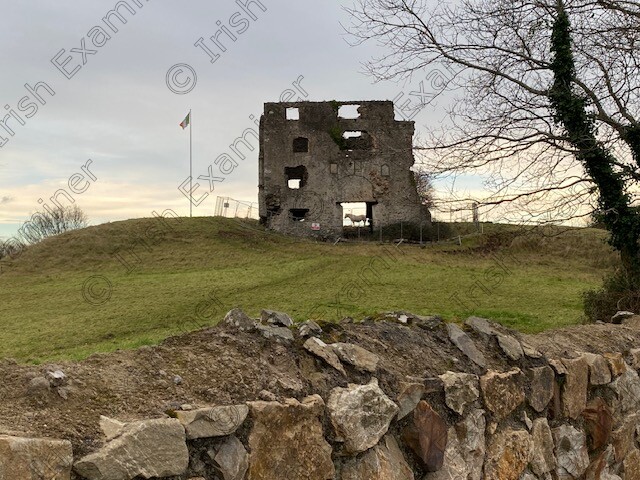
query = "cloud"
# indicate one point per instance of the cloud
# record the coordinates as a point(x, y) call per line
point(119, 112)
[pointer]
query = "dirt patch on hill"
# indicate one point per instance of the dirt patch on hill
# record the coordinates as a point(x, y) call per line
point(222, 365)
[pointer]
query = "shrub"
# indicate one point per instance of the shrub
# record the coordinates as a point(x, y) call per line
point(54, 221)
point(11, 248)
point(617, 293)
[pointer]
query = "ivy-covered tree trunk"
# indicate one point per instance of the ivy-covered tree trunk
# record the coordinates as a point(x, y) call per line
point(570, 110)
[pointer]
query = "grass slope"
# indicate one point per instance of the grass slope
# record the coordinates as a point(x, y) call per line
point(186, 273)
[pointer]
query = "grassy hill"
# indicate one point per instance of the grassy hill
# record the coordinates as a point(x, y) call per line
point(132, 283)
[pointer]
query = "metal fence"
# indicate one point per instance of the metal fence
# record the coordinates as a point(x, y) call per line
point(231, 208)
point(426, 232)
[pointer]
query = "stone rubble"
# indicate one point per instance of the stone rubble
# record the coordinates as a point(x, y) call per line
point(466, 345)
point(599, 372)
point(35, 458)
point(57, 378)
point(511, 347)
point(574, 389)
point(309, 328)
point(616, 363)
point(627, 390)
point(360, 415)
point(471, 437)
point(409, 397)
point(460, 389)
point(482, 326)
point(111, 427)
point(240, 320)
point(275, 333)
point(508, 454)
point(426, 435)
point(598, 423)
point(357, 356)
point(149, 448)
point(540, 382)
point(572, 417)
point(230, 459)
point(383, 462)
point(212, 422)
point(572, 456)
point(321, 350)
point(543, 460)
point(502, 392)
point(287, 441)
point(276, 318)
point(530, 352)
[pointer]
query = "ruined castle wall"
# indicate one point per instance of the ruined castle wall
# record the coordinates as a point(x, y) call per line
point(374, 168)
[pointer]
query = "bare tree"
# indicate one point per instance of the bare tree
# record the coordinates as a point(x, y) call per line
point(10, 248)
point(52, 222)
point(547, 102)
point(424, 186)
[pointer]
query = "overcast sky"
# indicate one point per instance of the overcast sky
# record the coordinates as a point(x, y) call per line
point(117, 110)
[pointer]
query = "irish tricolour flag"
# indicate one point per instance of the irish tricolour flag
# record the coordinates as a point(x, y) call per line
point(187, 120)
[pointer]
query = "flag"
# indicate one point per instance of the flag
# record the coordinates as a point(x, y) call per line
point(187, 120)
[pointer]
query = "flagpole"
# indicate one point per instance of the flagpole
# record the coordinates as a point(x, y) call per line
point(190, 165)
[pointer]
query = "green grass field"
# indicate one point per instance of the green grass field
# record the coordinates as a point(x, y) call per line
point(70, 296)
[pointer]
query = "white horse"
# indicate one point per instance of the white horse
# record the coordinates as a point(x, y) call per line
point(356, 218)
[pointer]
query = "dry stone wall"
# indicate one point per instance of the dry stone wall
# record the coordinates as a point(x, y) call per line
point(538, 418)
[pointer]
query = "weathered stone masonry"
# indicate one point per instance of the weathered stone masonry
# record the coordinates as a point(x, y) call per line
point(308, 166)
point(540, 418)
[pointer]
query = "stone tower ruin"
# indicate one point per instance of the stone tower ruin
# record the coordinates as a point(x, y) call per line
point(314, 157)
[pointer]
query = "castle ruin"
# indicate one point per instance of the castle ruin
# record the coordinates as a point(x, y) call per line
point(315, 157)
